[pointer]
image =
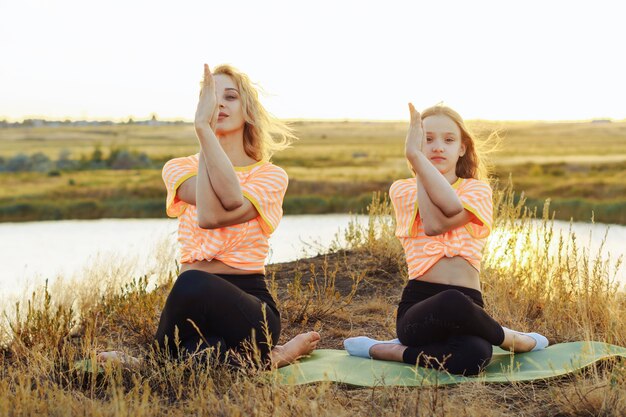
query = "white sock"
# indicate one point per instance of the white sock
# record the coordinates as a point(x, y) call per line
point(541, 342)
point(361, 345)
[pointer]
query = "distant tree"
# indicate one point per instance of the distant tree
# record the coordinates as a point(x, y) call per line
point(144, 160)
point(123, 160)
point(64, 161)
point(20, 162)
point(40, 162)
point(97, 155)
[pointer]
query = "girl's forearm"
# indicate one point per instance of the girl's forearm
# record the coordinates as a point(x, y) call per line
point(440, 192)
point(220, 170)
point(434, 221)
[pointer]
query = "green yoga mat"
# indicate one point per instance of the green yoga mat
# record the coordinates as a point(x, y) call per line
point(338, 366)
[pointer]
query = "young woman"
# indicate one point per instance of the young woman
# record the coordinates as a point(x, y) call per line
point(228, 200)
point(443, 216)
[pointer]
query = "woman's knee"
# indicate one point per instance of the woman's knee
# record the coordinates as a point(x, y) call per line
point(196, 288)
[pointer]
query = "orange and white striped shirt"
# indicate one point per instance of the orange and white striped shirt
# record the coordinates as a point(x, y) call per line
point(467, 241)
point(243, 246)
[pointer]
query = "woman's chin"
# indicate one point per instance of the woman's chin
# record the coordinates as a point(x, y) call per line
point(226, 130)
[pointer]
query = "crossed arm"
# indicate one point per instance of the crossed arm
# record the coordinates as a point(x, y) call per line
point(215, 191)
point(199, 191)
point(439, 207)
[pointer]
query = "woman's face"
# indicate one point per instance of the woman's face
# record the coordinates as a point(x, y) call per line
point(230, 117)
point(443, 144)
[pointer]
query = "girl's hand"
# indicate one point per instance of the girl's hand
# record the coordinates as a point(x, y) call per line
point(207, 110)
point(415, 135)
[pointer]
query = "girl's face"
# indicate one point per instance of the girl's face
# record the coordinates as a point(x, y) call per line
point(230, 117)
point(443, 144)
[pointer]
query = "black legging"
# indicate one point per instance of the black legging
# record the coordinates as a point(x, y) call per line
point(226, 311)
point(446, 326)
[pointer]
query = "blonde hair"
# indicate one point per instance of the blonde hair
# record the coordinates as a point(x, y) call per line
point(473, 163)
point(263, 134)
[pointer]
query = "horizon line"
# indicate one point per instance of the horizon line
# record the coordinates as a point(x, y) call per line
point(292, 120)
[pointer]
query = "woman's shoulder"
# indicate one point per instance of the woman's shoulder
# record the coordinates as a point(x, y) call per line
point(267, 168)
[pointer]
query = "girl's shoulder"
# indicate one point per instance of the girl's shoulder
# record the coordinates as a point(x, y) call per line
point(473, 184)
point(402, 186)
point(191, 160)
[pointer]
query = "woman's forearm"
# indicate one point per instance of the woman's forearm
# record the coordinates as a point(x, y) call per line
point(220, 170)
point(211, 214)
point(440, 192)
point(207, 202)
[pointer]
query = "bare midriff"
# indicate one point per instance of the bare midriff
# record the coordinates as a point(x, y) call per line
point(453, 271)
point(216, 267)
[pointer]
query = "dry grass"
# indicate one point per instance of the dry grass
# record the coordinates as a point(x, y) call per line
point(538, 281)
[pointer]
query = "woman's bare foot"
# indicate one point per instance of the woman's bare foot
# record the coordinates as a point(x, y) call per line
point(116, 356)
point(301, 345)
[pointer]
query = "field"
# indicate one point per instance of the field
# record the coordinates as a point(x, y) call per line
point(568, 296)
point(334, 167)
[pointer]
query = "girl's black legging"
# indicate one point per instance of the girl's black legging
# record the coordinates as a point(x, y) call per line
point(218, 310)
point(446, 326)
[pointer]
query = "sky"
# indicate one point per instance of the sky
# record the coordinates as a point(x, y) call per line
point(341, 59)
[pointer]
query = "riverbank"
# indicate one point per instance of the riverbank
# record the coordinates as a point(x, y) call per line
point(568, 296)
point(76, 172)
point(140, 194)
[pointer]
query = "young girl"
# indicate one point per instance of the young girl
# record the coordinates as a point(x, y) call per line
point(228, 200)
point(443, 216)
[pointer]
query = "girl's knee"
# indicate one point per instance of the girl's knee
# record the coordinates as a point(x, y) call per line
point(455, 301)
point(453, 296)
point(471, 355)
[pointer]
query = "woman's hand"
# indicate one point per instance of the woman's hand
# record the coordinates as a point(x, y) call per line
point(415, 135)
point(207, 110)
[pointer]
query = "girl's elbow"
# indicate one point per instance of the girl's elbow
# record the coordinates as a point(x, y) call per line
point(207, 222)
point(232, 204)
point(206, 225)
point(430, 230)
point(453, 211)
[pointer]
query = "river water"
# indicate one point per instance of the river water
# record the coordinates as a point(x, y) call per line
point(32, 252)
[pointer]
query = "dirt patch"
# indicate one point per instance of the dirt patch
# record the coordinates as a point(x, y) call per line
point(342, 294)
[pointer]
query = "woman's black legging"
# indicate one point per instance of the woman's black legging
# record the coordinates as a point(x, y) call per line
point(218, 310)
point(445, 326)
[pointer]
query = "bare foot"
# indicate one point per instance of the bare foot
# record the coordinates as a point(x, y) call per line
point(301, 345)
point(116, 356)
point(517, 342)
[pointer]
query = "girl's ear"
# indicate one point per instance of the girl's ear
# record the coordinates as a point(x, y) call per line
point(462, 150)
